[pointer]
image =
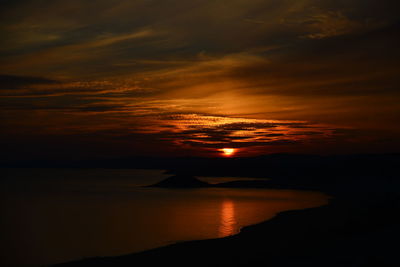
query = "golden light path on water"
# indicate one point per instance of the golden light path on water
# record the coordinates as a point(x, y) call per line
point(228, 219)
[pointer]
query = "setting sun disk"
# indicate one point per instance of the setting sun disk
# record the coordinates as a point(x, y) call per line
point(228, 151)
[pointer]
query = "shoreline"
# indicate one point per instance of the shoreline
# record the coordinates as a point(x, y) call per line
point(238, 232)
point(100, 260)
point(352, 228)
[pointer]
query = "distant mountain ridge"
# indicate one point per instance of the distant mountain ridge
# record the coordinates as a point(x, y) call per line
point(275, 166)
point(189, 181)
point(181, 181)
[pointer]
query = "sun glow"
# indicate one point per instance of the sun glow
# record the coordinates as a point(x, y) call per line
point(228, 151)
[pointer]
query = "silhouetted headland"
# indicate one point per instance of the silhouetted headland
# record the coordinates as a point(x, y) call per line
point(181, 181)
point(190, 181)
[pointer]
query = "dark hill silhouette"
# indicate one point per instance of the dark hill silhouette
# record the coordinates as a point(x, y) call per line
point(181, 181)
point(189, 181)
point(246, 184)
point(287, 168)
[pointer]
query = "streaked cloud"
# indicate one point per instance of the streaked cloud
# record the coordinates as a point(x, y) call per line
point(299, 75)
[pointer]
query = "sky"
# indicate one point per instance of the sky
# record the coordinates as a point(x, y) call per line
point(114, 78)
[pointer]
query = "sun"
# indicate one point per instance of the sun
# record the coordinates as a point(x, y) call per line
point(228, 151)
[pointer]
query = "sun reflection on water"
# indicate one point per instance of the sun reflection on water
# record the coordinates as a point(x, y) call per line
point(228, 219)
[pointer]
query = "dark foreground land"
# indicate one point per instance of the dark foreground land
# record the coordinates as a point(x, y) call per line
point(359, 227)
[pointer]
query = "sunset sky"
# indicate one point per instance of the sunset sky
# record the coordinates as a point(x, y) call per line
point(112, 78)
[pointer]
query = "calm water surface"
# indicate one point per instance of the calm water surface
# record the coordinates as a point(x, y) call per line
point(57, 215)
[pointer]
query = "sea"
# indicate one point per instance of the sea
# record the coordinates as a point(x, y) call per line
point(51, 216)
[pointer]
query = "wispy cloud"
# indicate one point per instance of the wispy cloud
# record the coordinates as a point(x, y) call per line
point(178, 73)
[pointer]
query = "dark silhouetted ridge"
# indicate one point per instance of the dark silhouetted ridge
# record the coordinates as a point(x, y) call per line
point(181, 181)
